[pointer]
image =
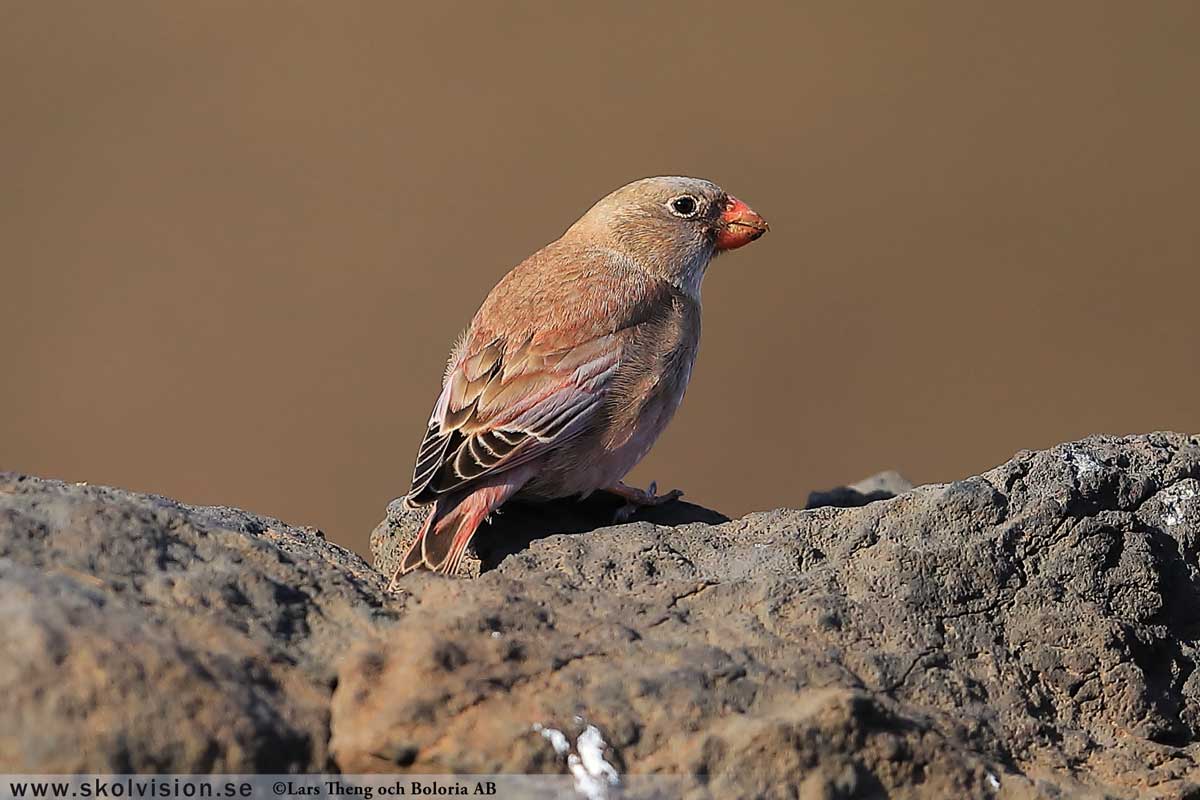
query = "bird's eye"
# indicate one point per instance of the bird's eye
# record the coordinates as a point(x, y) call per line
point(684, 206)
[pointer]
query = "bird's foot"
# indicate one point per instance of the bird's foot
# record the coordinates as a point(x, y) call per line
point(637, 498)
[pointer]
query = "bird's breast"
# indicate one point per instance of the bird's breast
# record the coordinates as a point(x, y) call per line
point(643, 396)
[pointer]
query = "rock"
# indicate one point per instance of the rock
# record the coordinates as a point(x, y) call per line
point(1033, 624)
point(880, 486)
point(145, 635)
point(516, 525)
point(1029, 632)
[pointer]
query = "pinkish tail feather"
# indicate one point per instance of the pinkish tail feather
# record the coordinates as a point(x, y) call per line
point(451, 524)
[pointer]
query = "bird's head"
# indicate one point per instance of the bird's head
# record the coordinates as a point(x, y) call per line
point(671, 226)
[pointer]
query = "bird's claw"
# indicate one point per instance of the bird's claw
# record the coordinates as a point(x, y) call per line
point(636, 499)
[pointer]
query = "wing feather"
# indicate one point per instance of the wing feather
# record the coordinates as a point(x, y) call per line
point(533, 371)
point(513, 416)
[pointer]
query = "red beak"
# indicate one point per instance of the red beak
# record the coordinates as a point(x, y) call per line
point(739, 225)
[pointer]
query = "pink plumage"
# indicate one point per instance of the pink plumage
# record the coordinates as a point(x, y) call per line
point(575, 362)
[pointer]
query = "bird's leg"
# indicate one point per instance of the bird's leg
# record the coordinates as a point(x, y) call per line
point(637, 498)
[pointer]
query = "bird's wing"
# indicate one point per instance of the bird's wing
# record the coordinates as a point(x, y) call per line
point(530, 375)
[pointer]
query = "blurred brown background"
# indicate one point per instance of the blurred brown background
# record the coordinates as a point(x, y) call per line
point(238, 238)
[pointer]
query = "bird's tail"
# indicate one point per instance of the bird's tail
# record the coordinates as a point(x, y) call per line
point(448, 529)
point(443, 538)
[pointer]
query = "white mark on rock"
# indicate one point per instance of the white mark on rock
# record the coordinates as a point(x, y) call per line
point(495, 634)
point(1173, 497)
point(1081, 462)
point(555, 737)
point(593, 774)
point(993, 782)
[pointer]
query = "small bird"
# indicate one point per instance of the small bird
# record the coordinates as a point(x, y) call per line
point(574, 364)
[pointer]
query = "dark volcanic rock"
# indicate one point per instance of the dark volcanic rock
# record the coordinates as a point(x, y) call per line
point(1030, 632)
point(517, 525)
point(141, 634)
point(1034, 623)
point(880, 486)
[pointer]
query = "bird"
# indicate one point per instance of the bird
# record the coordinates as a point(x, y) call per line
point(574, 363)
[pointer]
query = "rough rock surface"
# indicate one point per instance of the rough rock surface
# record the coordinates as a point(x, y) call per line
point(1030, 632)
point(141, 634)
point(880, 486)
point(516, 526)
